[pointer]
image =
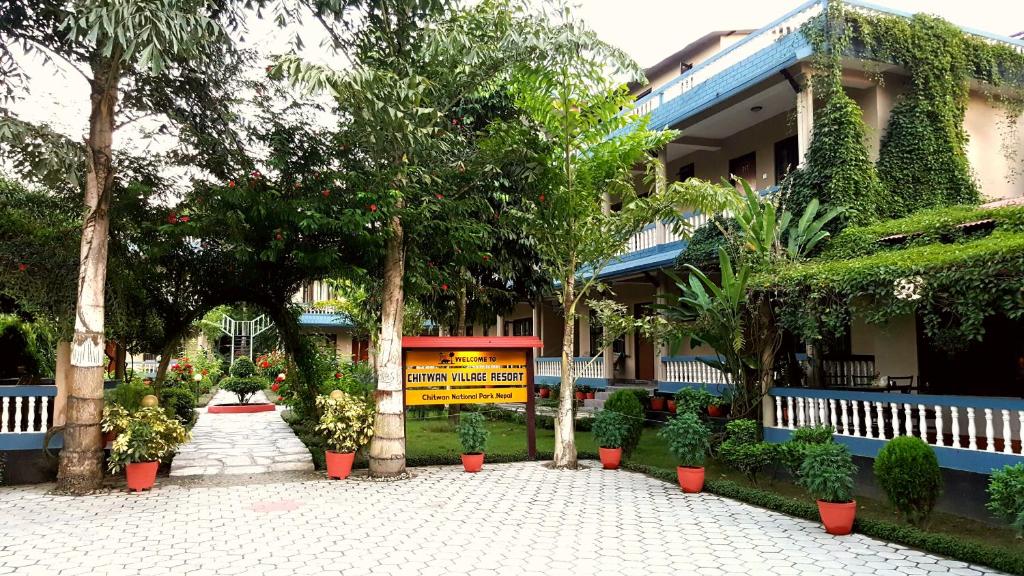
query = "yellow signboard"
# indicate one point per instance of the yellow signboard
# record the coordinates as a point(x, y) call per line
point(465, 376)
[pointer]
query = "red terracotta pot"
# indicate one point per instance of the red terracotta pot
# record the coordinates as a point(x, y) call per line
point(672, 406)
point(473, 462)
point(837, 518)
point(545, 392)
point(339, 464)
point(657, 403)
point(141, 475)
point(581, 396)
point(591, 395)
point(691, 480)
point(716, 411)
point(610, 457)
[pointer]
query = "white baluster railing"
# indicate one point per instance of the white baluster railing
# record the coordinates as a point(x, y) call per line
point(582, 367)
point(938, 420)
point(691, 369)
point(26, 409)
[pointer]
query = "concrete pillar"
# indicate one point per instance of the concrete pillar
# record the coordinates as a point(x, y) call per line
point(661, 348)
point(804, 118)
point(62, 378)
point(500, 328)
point(583, 331)
point(659, 226)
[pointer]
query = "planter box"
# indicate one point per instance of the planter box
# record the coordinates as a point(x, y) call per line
point(240, 408)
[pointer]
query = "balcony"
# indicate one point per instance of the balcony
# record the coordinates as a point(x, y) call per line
point(586, 371)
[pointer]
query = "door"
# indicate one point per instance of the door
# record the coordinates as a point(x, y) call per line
point(744, 167)
point(786, 158)
point(643, 360)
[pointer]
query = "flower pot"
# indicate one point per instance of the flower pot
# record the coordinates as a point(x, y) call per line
point(716, 411)
point(591, 395)
point(581, 396)
point(657, 403)
point(837, 518)
point(545, 392)
point(691, 479)
point(141, 475)
point(610, 457)
point(671, 406)
point(473, 462)
point(339, 464)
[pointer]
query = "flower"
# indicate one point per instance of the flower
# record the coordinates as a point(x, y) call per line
point(908, 288)
point(439, 196)
point(325, 193)
point(280, 377)
point(444, 286)
point(204, 372)
point(280, 398)
point(198, 377)
point(264, 364)
point(373, 207)
point(337, 375)
point(231, 183)
point(172, 218)
point(541, 197)
point(275, 386)
point(183, 219)
point(22, 267)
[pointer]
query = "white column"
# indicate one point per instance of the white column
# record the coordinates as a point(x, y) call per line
point(804, 118)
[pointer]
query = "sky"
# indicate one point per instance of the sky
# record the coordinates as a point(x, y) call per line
point(648, 30)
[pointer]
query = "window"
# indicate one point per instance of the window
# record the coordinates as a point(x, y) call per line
point(686, 172)
point(596, 334)
point(786, 157)
point(523, 327)
point(744, 167)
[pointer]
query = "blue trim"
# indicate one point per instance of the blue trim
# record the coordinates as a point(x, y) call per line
point(995, 403)
point(597, 383)
point(332, 320)
point(707, 357)
point(29, 441)
point(652, 258)
point(978, 461)
point(551, 359)
point(12, 391)
point(673, 387)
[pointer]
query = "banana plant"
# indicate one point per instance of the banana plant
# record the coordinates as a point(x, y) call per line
point(808, 232)
point(762, 228)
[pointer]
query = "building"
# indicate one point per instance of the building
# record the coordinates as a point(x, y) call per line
point(743, 106)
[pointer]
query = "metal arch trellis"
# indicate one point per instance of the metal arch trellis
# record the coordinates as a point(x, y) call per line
point(245, 329)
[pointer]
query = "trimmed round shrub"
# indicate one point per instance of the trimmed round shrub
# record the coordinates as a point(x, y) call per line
point(243, 368)
point(742, 451)
point(611, 429)
point(827, 472)
point(180, 401)
point(243, 380)
point(908, 471)
point(625, 402)
point(1006, 495)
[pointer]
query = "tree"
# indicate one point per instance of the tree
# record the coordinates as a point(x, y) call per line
point(574, 96)
point(414, 64)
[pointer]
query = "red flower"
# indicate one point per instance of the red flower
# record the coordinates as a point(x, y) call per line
point(264, 364)
point(275, 387)
point(455, 121)
point(231, 183)
point(22, 267)
point(486, 257)
point(280, 398)
point(172, 218)
point(256, 174)
point(183, 219)
point(325, 193)
point(373, 207)
point(541, 197)
point(444, 286)
point(204, 372)
point(278, 236)
point(297, 185)
point(439, 196)
point(337, 375)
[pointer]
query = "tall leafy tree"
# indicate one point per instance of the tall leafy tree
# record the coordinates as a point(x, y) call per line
point(576, 98)
point(135, 57)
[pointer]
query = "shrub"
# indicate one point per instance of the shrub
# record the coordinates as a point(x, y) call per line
point(127, 395)
point(147, 434)
point(346, 422)
point(742, 451)
point(687, 439)
point(791, 453)
point(356, 378)
point(908, 471)
point(473, 433)
point(611, 429)
point(695, 400)
point(1006, 495)
point(625, 402)
point(827, 472)
point(243, 380)
point(179, 401)
point(642, 396)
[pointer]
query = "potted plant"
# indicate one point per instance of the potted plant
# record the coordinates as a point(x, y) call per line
point(670, 405)
point(696, 400)
point(611, 430)
point(718, 406)
point(147, 435)
point(473, 436)
point(591, 393)
point(347, 425)
point(657, 403)
point(827, 474)
point(545, 392)
point(581, 393)
point(687, 439)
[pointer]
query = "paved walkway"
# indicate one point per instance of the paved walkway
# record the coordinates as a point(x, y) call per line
point(240, 443)
point(516, 519)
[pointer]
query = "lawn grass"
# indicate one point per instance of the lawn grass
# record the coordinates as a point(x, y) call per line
point(433, 436)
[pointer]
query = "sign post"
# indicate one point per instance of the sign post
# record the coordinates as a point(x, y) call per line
point(471, 370)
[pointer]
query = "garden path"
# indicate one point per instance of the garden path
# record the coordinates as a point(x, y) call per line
point(240, 443)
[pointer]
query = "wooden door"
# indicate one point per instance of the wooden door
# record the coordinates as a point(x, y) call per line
point(643, 361)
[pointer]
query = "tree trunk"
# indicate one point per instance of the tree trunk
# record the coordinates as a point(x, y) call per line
point(120, 362)
point(460, 330)
point(387, 447)
point(81, 459)
point(565, 424)
point(165, 360)
point(305, 378)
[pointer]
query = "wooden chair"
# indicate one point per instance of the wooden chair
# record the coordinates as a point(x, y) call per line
point(902, 384)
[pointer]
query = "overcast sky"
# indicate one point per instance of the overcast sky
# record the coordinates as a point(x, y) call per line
point(649, 30)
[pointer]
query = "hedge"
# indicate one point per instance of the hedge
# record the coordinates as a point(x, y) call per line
point(941, 544)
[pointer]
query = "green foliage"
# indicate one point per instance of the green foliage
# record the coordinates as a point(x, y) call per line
point(28, 348)
point(346, 422)
point(702, 249)
point(625, 402)
point(611, 429)
point(693, 401)
point(1006, 495)
point(742, 451)
point(127, 395)
point(827, 472)
point(145, 435)
point(180, 401)
point(473, 433)
point(908, 471)
point(793, 451)
point(688, 439)
point(243, 367)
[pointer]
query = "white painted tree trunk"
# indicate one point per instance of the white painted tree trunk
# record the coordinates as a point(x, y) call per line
point(387, 448)
point(565, 425)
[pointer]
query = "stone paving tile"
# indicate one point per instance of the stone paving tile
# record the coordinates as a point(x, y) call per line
point(240, 443)
point(506, 520)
